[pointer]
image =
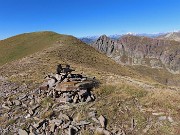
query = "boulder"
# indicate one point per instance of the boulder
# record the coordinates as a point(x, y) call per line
point(56, 122)
point(93, 97)
point(95, 120)
point(89, 99)
point(6, 107)
point(22, 132)
point(22, 97)
point(64, 116)
point(72, 130)
point(161, 118)
point(68, 99)
point(170, 119)
point(31, 112)
point(102, 131)
point(66, 125)
point(9, 103)
point(102, 121)
point(76, 99)
point(52, 127)
point(92, 114)
point(17, 102)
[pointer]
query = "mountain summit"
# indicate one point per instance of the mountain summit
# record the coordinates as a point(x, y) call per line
point(171, 36)
point(136, 50)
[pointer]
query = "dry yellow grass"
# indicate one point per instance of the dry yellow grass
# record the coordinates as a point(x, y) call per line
point(166, 99)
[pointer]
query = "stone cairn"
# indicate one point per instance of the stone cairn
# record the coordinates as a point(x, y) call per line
point(66, 89)
point(60, 106)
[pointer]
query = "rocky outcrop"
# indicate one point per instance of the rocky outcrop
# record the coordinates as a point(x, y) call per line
point(135, 50)
point(171, 36)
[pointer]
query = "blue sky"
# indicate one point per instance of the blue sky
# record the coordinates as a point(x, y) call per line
point(88, 17)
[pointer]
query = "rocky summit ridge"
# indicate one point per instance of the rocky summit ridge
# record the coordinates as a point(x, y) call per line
point(136, 50)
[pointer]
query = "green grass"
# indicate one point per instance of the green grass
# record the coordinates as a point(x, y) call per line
point(25, 44)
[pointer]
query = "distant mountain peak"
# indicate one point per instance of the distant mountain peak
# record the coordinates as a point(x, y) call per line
point(141, 50)
point(104, 36)
point(171, 36)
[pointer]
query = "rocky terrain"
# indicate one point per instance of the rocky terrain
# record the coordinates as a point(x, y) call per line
point(91, 39)
point(135, 50)
point(125, 102)
point(171, 36)
point(51, 108)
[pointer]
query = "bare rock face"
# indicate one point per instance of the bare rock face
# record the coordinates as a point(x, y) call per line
point(134, 50)
point(105, 44)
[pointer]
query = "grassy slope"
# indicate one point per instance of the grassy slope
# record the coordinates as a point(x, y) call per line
point(115, 99)
point(63, 49)
point(22, 45)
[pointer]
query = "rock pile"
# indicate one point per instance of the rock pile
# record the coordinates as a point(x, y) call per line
point(51, 108)
point(65, 125)
point(68, 87)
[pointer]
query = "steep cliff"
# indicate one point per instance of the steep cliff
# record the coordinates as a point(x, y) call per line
point(136, 50)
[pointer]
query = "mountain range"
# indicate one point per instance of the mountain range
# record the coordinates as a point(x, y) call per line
point(136, 50)
point(171, 36)
point(138, 90)
point(91, 39)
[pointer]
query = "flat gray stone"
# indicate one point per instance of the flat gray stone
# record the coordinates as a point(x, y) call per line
point(89, 99)
point(52, 127)
point(6, 107)
point(23, 96)
point(17, 102)
point(92, 114)
point(56, 122)
point(95, 120)
point(170, 119)
point(102, 131)
point(22, 132)
point(66, 125)
point(161, 118)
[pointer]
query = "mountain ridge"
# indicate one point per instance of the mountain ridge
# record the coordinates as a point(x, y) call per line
point(91, 39)
point(136, 49)
point(170, 36)
point(18, 46)
point(124, 94)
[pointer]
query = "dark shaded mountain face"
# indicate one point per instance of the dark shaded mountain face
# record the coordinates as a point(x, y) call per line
point(135, 50)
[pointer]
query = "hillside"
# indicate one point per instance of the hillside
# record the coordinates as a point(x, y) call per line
point(25, 44)
point(171, 36)
point(63, 47)
point(124, 95)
